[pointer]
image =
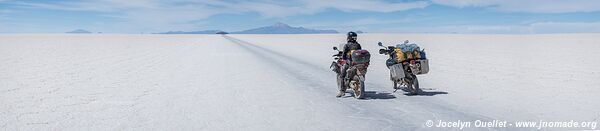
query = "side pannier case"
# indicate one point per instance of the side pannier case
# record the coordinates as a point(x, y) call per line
point(424, 66)
point(397, 71)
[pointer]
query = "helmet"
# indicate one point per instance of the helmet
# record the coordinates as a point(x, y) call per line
point(352, 36)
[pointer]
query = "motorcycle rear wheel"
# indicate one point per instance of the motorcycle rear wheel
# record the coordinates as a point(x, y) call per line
point(413, 85)
point(359, 87)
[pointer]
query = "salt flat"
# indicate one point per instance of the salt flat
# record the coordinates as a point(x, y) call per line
point(283, 82)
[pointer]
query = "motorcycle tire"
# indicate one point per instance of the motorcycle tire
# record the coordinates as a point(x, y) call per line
point(359, 90)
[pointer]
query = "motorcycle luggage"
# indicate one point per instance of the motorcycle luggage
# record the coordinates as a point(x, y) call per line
point(397, 71)
point(417, 54)
point(424, 67)
point(409, 55)
point(409, 52)
point(361, 56)
point(408, 47)
point(399, 55)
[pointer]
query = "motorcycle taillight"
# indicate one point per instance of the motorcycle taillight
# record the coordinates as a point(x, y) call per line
point(342, 62)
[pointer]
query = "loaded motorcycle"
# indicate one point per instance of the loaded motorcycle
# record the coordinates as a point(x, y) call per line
point(405, 62)
point(357, 70)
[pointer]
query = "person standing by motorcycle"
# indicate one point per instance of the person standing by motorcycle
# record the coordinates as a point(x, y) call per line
point(350, 46)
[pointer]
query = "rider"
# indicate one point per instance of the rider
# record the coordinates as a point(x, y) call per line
point(350, 46)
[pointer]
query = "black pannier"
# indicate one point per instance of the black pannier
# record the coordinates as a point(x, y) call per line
point(361, 56)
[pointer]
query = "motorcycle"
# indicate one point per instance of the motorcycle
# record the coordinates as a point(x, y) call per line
point(405, 66)
point(356, 71)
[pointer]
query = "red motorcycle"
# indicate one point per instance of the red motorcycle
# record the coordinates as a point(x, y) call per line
point(356, 71)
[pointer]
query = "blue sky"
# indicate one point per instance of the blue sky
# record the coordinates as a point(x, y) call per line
point(404, 16)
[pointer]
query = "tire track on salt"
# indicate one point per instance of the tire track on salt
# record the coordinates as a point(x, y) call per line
point(382, 113)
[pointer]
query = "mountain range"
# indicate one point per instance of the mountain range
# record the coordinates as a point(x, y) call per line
point(281, 28)
point(278, 28)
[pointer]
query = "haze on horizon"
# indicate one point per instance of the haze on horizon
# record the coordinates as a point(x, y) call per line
point(382, 16)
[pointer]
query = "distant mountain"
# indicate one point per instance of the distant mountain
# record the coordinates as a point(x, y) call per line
point(281, 28)
point(192, 32)
point(222, 33)
point(79, 31)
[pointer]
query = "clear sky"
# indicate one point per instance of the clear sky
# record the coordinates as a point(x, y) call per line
point(406, 16)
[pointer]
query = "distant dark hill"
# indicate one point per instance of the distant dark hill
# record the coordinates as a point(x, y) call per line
point(281, 28)
point(222, 33)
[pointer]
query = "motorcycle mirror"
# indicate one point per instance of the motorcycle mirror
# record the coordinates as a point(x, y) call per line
point(379, 43)
point(382, 51)
point(335, 48)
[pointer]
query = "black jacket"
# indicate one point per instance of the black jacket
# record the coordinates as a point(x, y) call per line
point(351, 45)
